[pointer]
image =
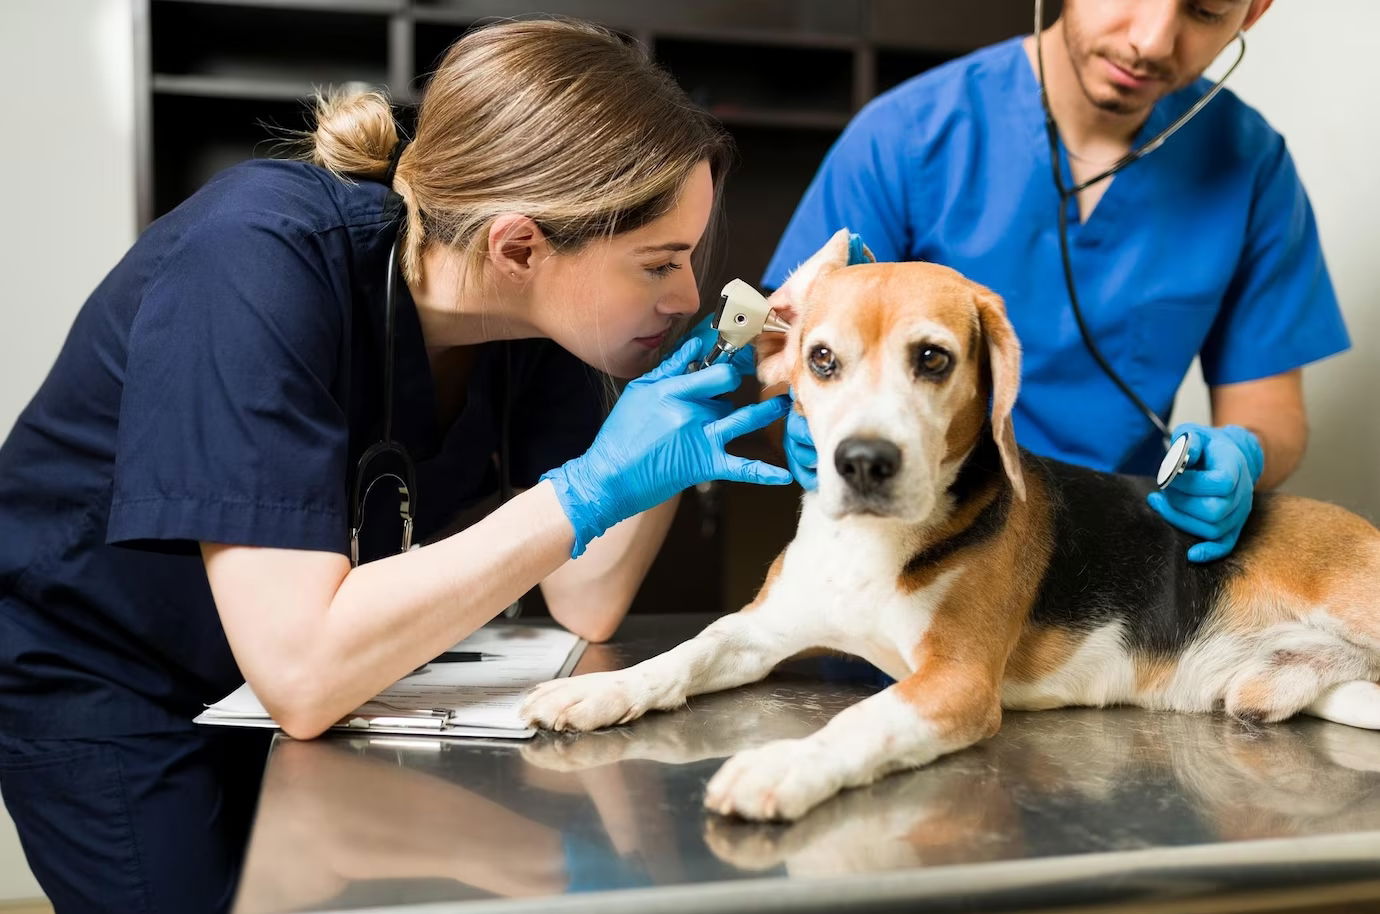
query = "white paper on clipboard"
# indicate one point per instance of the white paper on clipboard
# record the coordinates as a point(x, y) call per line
point(482, 697)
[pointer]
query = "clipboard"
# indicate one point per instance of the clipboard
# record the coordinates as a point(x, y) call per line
point(474, 699)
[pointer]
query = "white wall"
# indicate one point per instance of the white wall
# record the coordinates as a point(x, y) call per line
point(1308, 71)
point(68, 162)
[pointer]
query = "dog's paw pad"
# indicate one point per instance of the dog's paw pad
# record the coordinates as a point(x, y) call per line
point(779, 781)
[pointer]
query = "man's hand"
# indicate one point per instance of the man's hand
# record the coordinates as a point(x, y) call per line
point(1212, 498)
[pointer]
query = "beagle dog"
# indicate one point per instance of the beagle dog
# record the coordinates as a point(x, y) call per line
point(983, 577)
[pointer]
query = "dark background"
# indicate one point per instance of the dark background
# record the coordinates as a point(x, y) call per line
point(784, 76)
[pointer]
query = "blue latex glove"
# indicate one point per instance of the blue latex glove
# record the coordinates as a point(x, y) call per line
point(801, 456)
point(745, 359)
point(667, 432)
point(1212, 498)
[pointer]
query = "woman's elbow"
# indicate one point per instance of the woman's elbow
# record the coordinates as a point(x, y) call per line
point(595, 624)
point(302, 724)
point(297, 708)
point(598, 634)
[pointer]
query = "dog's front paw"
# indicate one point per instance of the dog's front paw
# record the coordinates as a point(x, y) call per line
point(781, 780)
point(586, 702)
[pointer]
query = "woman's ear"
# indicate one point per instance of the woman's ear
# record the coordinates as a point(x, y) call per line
point(515, 243)
point(778, 353)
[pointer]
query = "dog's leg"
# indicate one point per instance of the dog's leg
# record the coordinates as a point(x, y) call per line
point(1355, 703)
point(734, 650)
point(946, 705)
point(1309, 671)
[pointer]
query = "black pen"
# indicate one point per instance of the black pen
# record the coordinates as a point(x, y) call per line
point(466, 657)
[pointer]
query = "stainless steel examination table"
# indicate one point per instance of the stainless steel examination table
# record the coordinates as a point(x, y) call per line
point(1088, 810)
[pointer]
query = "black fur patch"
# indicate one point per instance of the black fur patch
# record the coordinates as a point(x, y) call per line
point(1116, 560)
point(981, 472)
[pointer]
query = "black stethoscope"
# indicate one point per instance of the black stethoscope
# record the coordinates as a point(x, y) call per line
point(394, 451)
point(1176, 457)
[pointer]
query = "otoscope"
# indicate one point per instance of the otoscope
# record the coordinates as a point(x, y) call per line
point(743, 314)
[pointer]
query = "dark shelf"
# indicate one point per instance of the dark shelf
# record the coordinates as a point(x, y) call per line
point(232, 87)
point(896, 65)
point(196, 137)
point(765, 117)
point(729, 78)
point(274, 45)
point(776, 17)
point(382, 7)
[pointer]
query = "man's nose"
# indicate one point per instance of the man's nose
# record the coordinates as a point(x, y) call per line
point(1154, 29)
point(867, 464)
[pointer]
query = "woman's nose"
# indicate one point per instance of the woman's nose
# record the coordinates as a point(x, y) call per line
point(684, 298)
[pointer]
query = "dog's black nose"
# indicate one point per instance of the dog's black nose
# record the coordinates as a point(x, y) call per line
point(867, 464)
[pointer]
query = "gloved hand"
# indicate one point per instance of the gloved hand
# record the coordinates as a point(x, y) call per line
point(745, 359)
point(667, 432)
point(801, 456)
point(1212, 497)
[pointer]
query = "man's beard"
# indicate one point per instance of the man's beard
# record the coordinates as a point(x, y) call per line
point(1081, 57)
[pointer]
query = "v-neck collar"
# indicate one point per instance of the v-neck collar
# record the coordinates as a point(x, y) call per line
point(1117, 197)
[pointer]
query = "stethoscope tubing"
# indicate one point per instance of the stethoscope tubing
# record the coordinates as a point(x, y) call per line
point(1067, 193)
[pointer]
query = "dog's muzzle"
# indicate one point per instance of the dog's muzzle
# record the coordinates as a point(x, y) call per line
point(867, 465)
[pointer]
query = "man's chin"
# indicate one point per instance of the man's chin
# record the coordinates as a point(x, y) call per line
point(1120, 106)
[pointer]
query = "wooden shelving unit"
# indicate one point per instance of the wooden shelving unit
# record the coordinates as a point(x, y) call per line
point(785, 77)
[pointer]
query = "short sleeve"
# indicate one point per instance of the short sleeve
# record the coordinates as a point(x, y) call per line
point(862, 185)
point(1280, 311)
point(558, 407)
point(230, 429)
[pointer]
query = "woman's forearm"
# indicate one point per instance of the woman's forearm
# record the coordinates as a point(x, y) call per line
point(316, 638)
point(591, 595)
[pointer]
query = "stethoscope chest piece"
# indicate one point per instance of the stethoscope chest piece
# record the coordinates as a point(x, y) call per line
point(1174, 462)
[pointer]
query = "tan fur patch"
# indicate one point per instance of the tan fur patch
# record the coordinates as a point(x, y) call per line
point(974, 633)
point(772, 574)
point(1153, 673)
point(1041, 651)
point(1298, 556)
point(965, 427)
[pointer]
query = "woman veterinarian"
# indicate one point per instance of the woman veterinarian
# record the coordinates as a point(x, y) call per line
point(176, 502)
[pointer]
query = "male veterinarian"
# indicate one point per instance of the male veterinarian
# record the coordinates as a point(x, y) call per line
point(1206, 247)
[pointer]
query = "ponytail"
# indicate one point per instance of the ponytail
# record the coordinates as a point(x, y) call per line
point(356, 136)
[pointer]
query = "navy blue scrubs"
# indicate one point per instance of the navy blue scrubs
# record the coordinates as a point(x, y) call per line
point(219, 385)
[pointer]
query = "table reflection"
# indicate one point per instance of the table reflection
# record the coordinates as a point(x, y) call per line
point(351, 821)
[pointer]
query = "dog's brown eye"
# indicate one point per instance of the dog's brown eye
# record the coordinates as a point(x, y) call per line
point(822, 361)
point(931, 361)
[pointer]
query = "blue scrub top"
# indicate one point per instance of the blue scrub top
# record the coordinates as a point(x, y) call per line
point(1206, 246)
point(219, 385)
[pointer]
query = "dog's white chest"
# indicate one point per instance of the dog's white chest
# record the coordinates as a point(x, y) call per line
point(842, 579)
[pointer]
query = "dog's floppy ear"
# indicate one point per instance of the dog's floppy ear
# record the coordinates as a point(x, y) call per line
point(1004, 366)
point(777, 352)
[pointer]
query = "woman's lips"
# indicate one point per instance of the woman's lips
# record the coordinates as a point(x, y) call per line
point(652, 342)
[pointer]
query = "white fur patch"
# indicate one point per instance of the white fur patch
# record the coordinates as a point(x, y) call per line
point(786, 778)
point(838, 585)
point(1355, 703)
point(1099, 673)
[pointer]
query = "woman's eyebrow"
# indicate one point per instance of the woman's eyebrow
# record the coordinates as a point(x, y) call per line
point(669, 246)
